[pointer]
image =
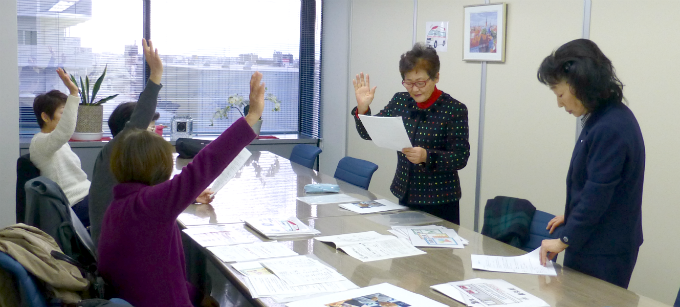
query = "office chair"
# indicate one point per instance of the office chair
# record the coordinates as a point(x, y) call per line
point(355, 171)
point(26, 171)
point(537, 231)
point(305, 155)
point(677, 300)
point(29, 294)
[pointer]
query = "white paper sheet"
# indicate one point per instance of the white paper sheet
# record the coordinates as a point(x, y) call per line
point(489, 292)
point(327, 199)
point(230, 171)
point(526, 264)
point(386, 132)
point(383, 293)
point(380, 250)
point(405, 231)
point(215, 235)
point(254, 251)
point(276, 227)
point(435, 238)
point(301, 270)
point(372, 206)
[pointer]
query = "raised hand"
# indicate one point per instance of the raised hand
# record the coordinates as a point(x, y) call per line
point(154, 61)
point(363, 92)
point(73, 89)
point(256, 98)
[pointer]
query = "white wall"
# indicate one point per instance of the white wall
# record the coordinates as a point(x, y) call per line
point(647, 61)
point(9, 117)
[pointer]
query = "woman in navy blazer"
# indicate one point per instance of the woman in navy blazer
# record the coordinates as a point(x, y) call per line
point(602, 222)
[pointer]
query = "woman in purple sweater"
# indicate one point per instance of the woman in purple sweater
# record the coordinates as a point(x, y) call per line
point(140, 248)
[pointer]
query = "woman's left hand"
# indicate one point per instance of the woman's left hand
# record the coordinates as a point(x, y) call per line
point(205, 197)
point(415, 154)
point(553, 247)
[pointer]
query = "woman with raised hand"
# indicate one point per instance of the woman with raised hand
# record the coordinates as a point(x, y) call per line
point(602, 222)
point(140, 248)
point(57, 115)
point(426, 178)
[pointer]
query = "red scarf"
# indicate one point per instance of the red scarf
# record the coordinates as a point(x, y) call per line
point(430, 101)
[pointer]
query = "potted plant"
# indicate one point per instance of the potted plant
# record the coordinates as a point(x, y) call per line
point(242, 105)
point(90, 112)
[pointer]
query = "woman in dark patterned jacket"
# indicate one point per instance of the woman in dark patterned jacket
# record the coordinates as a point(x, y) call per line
point(426, 178)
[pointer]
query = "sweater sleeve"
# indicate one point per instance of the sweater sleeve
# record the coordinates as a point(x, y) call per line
point(146, 107)
point(62, 133)
point(606, 158)
point(167, 200)
point(387, 111)
point(455, 156)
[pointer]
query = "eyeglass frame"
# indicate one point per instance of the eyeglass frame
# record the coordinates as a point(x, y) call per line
point(404, 83)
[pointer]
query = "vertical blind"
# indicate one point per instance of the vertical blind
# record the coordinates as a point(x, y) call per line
point(209, 48)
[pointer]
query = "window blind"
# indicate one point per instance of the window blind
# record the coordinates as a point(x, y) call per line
point(83, 37)
point(310, 68)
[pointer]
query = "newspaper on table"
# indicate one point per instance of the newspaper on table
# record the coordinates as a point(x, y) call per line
point(528, 263)
point(230, 171)
point(253, 251)
point(378, 295)
point(429, 236)
point(277, 227)
point(489, 292)
point(372, 206)
point(372, 246)
point(215, 235)
point(327, 199)
point(261, 282)
point(386, 132)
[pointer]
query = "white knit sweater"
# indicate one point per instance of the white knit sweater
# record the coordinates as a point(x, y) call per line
point(52, 155)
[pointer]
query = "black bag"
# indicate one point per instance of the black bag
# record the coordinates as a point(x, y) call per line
point(189, 148)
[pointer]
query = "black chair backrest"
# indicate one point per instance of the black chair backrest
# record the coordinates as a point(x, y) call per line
point(26, 171)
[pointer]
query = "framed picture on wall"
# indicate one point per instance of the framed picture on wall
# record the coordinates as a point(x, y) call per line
point(484, 32)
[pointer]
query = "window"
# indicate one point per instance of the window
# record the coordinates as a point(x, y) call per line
point(209, 55)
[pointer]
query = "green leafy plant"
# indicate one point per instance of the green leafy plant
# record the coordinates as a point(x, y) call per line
point(242, 105)
point(87, 98)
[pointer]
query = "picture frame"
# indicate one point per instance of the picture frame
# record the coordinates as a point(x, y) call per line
point(484, 32)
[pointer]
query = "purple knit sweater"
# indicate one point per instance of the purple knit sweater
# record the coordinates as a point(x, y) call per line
point(140, 247)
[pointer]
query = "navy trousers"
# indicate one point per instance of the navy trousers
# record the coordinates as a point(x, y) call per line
point(616, 269)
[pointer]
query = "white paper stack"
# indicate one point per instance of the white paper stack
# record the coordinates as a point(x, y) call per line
point(215, 235)
point(429, 236)
point(489, 292)
point(290, 278)
point(253, 251)
point(372, 246)
point(231, 170)
point(529, 263)
point(378, 295)
point(280, 228)
point(372, 206)
point(327, 199)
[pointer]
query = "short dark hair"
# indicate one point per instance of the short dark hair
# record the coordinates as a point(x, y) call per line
point(420, 56)
point(588, 72)
point(121, 115)
point(139, 155)
point(48, 103)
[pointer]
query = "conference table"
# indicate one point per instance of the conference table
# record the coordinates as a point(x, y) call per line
point(268, 185)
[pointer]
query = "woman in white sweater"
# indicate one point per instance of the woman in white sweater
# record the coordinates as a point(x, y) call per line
point(56, 114)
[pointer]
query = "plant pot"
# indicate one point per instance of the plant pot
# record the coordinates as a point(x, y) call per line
point(89, 123)
point(256, 127)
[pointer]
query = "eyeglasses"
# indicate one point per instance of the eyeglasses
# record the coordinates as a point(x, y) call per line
point(418, 84)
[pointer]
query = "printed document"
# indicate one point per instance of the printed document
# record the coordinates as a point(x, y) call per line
point(276, 227)
point(526, 264)
point(301, 270)
point(254, 251)
point(230, 171)
point(386, 132)
point(429, 236)
point(372, 206)
point(378, 295)
point(327, 199)
point(489, 292)
point(367, 246)
point(215, 235)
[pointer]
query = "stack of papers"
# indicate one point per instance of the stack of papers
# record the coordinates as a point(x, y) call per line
point(386, 132)
point(230, 171)
point(278, 228)
point(214, 235)
point(327, 199)
point(372, 206)
point(379, 295)
point(289, 278)
point(371, 246)
point(254, 251)
point(429, 236)
point(529, 263)
point(489, 292)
